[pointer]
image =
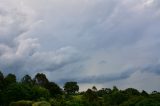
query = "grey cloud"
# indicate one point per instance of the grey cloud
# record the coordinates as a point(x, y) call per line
point(74, 26)
point(14, 46)
point(97, 24)
point(102, 62)
point(100, 79)
point(51, 61)
point(72, 38)
point(13, 25)
point(152, 68)
point(19, 51)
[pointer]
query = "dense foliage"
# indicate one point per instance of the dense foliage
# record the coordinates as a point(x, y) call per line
point(39, 91)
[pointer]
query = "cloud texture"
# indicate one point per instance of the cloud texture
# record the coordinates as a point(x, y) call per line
point(105, 42)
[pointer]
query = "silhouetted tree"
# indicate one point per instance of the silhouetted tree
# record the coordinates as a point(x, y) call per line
point(90, 95)
point(71, 87)
point(39, 92)
point(94, 88)
point(41, 79)
point(115, 98)
point(144, 93)
point(155, 92)
point(27, 80)
point(115, 89)
point(28, 91)
point(148, 102)
point(17, 91)
point(131, 91)
point(9, 79)
point(132, 101)
point(54, 89)
point(104, 91)
point(1, 80)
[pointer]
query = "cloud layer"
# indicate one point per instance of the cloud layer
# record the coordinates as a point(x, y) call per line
point(93, 42)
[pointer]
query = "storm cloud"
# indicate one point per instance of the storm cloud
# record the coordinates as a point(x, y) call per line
point(98, 41)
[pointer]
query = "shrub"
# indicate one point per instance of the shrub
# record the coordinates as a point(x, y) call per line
point(21, 103)
point(148, 102)
point(55, 102)
point(39, 92)
point(42, 103)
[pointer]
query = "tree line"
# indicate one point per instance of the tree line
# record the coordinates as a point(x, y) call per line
point(39, 91)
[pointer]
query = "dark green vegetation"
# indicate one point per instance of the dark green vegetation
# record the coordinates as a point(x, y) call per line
point(39, 91)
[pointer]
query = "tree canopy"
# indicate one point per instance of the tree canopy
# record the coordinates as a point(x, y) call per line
point(39, 91)
point(71, 87)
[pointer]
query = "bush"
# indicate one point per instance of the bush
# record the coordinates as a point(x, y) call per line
point(148, 102)
point(42, 103)
point(39, 92)
point(55, 102)
point(132, 101)
point(21, 103)
point(17, 92)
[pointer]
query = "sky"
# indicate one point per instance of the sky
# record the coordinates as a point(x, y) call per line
point(94, 42)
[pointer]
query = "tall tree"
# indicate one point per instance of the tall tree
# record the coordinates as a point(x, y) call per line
point(71, 87)
point(115, 89)
point(94, 88)
point(17, 91)
point(27, 80)
point(41, 79)
point(54, 89)
point(1, 76)
point(90, 95)
point(9, 79)
point(144, 93)
point(1, 80)
point(104, 91)
point(131, 91)
point(115, 98)
point(1, 85)
point(39, 92)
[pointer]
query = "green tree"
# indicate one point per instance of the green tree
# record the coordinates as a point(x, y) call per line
point(155, 92)
point(148, 102)
point(131, 92)
point(155, 96)
point(1, 80)
point(144, 93)
point(115, 89)
point(103, 91)
point(115, 98)
point(54, 89)
point(16, 92)
point(39, 92)
point(9, 79)
point(41, 79)
point(91, 99)
point(71, 87)
point(132, 101)
point(90, 95)
point(94, 88)
point(27, 80)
